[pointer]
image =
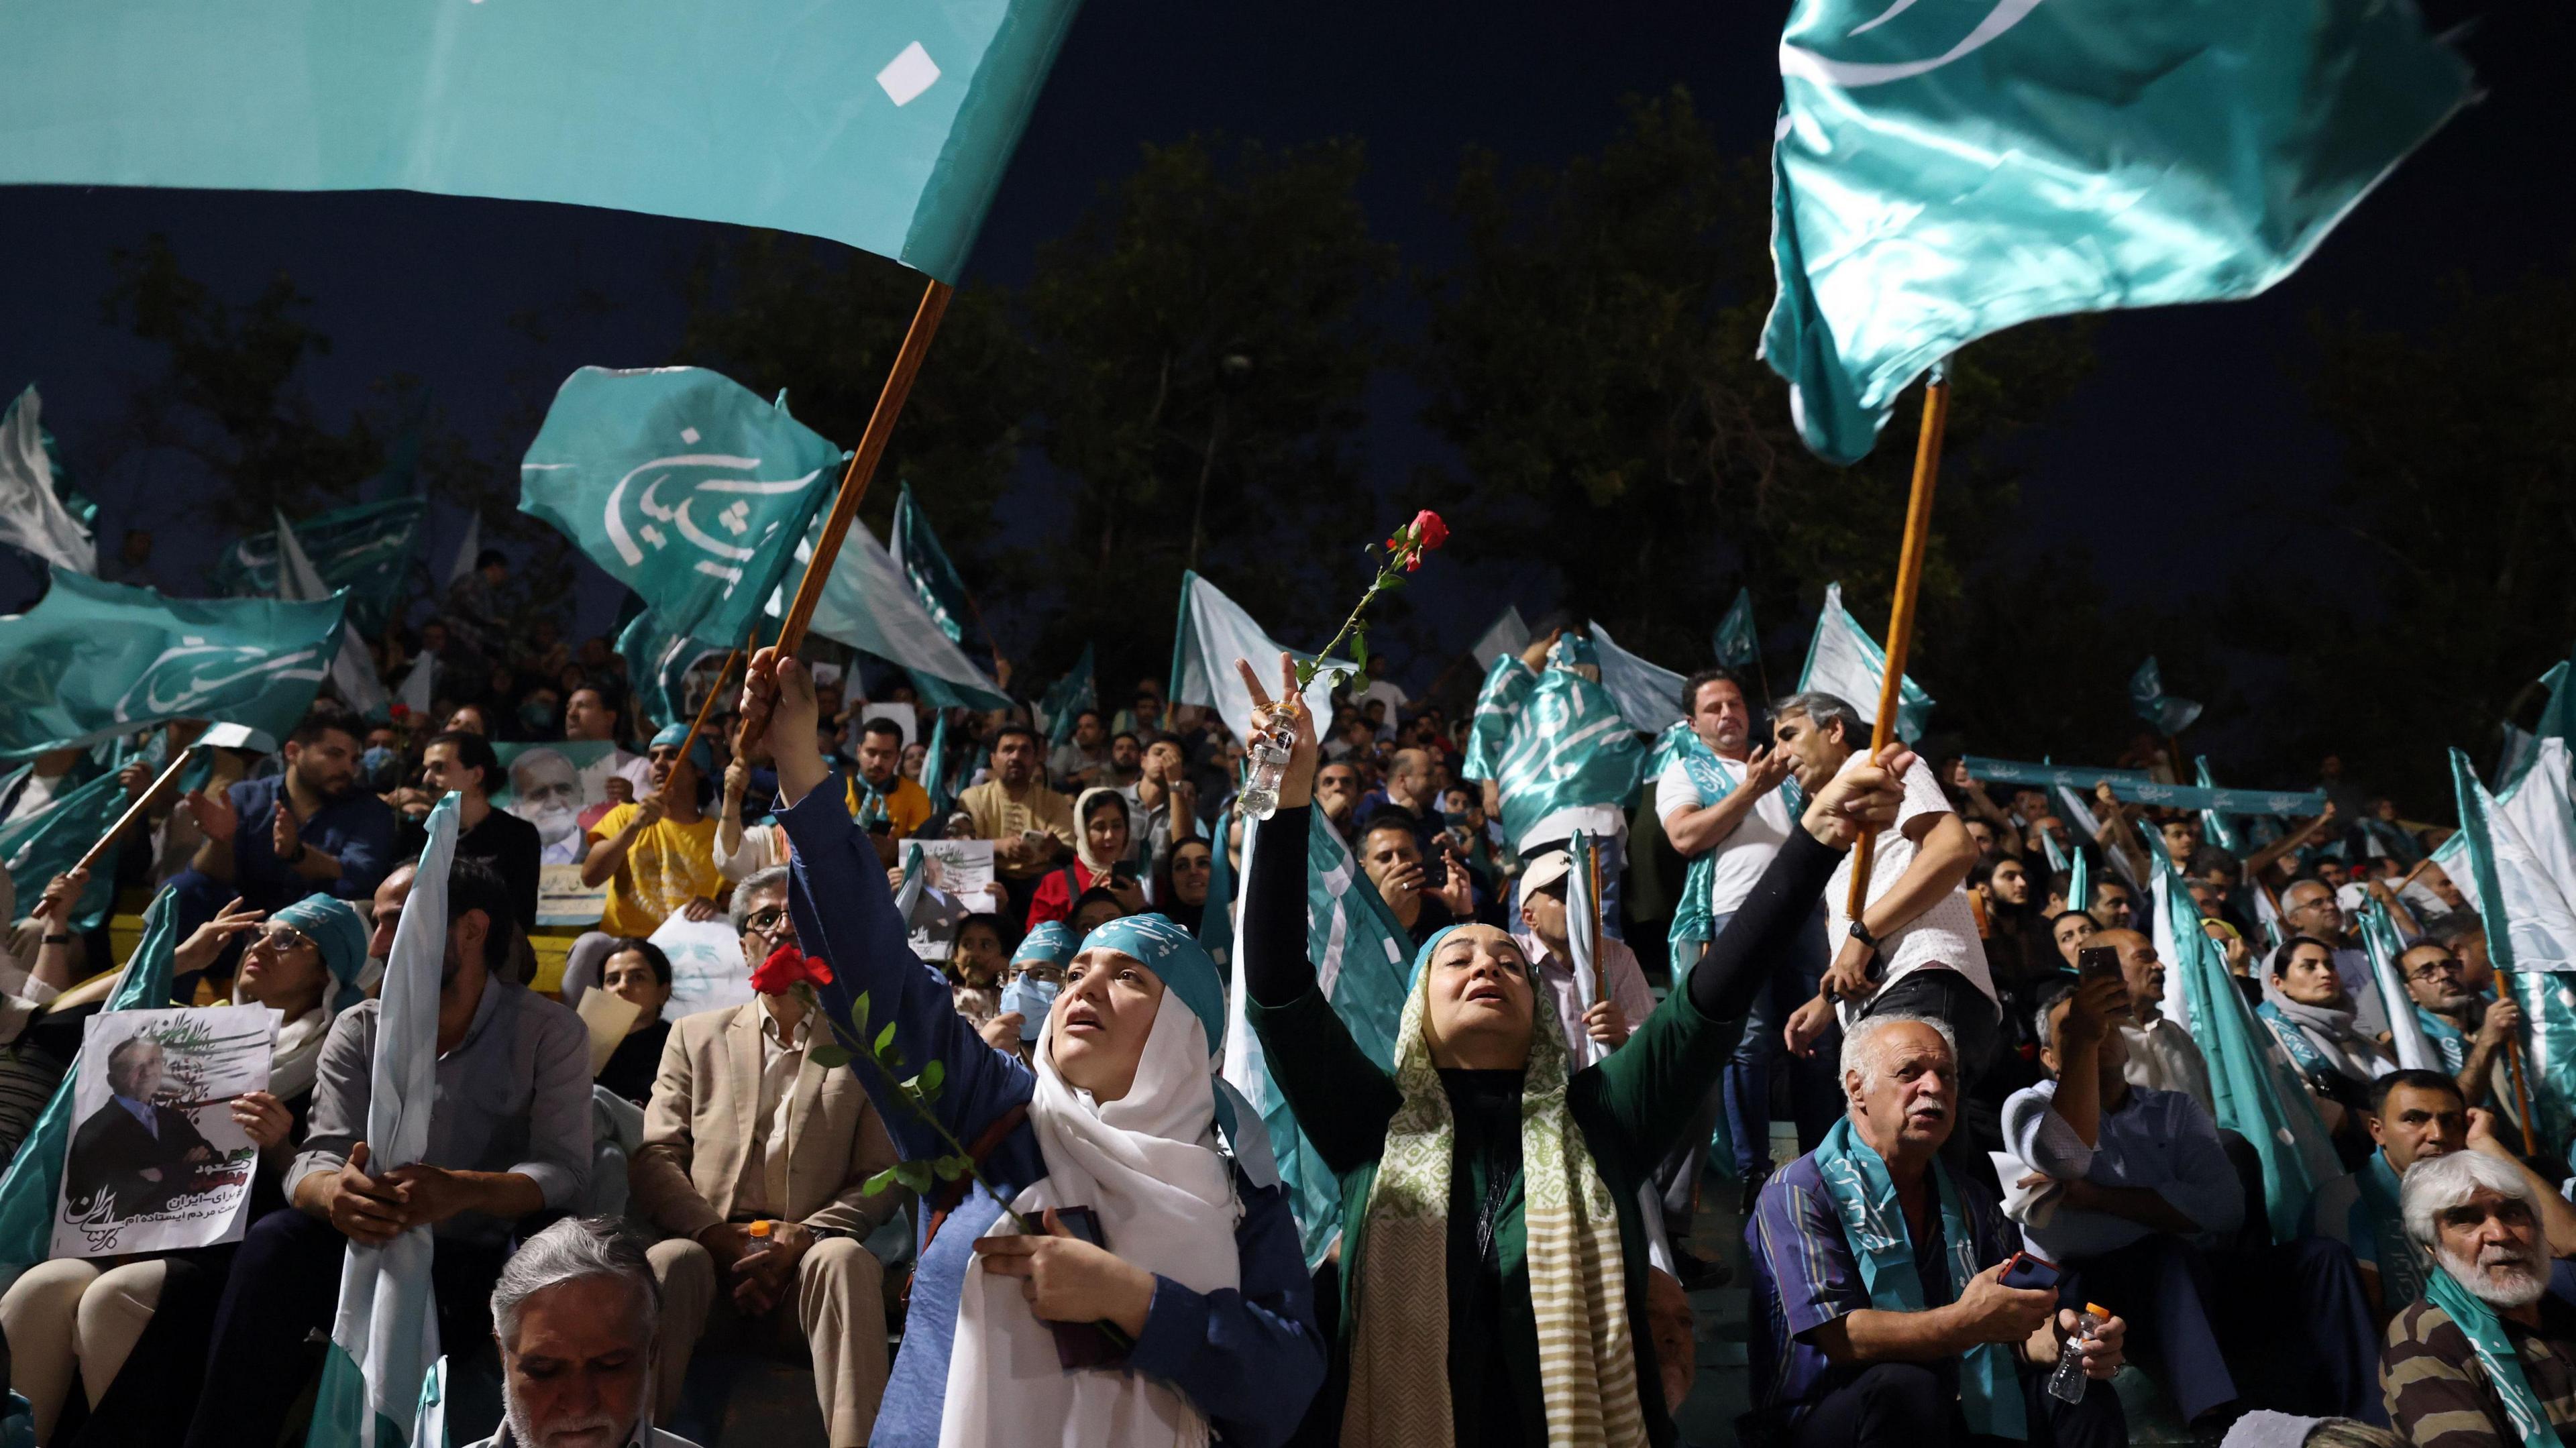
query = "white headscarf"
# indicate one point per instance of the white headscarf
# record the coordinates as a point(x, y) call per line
point(1098, 865)
point(1148, 1164)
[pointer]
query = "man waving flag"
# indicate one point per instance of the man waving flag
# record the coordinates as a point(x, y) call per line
point(1942, 172)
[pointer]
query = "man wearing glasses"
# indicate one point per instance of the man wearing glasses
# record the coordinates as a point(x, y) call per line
point(2468, 1030)
point(800, 1169)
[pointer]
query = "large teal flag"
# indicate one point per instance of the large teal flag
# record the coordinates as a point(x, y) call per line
point(682, 484)
point(1942, 172)
point(1570, 747)
point(367, 550)
point(36, 849)
point(885, 125)
point(94, 660)
point(2516, 862)
point(35, 1175)
point(1844, 661)
point(657, 663)
point(868, 604)
point(2167, 713)
point(925, 566)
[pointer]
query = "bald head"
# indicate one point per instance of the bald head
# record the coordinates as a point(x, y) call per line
point(2138, 966)
point(1408, 778)
point(2311, 908)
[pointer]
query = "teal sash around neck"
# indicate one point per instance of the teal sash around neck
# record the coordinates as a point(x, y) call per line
point(2478, 1322)
point(2446, 1038)
point(2401, 1262)
point(1691, 918)
point(1874, 1226)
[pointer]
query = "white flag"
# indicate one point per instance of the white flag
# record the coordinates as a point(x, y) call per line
point(467, 551)
point(353, 673)
point(31, 517)
point(1649, 696)
point(384, 1339)
point(1508, 634)
point(868, 604)
point(1214, 632)
point(1844, 661)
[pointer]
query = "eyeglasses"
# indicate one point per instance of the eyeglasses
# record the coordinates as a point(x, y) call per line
point(282, 939)
point(767, 922)
point(2433, 970)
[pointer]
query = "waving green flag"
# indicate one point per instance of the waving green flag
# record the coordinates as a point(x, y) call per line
point(1069, 696)
point(682, 484)
point(1570, 747)
point(36, 849)
point(367, 550)
point(885, 126)
point(2167, 713)
point(1942, 172)
point(926, 567)
point(1737, 644)
point(1844, 661)
point(94, 660)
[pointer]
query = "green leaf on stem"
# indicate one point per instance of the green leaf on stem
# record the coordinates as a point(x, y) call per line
point(829, 1056)
point(1359, 647)
point(891, 1177)
point(859, 1014)
point(917, 1175)
point(950, 1168)
point(884, 1044)
point(1391, 582)
point(930, 1077)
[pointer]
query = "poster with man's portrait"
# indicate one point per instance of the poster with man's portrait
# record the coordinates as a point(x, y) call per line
point(562, 788)
point(156, 1160)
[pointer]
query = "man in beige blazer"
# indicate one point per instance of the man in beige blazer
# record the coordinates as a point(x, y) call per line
point(744, 1126)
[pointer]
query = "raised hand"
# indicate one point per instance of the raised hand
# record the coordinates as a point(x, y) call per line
point(213, 815)
point(1297, 782)
point(207, 941)
point(1864, 797)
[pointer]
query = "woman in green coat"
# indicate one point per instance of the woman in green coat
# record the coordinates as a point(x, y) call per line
point(1492, 1255)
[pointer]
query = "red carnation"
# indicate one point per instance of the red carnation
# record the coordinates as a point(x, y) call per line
point(788, 967)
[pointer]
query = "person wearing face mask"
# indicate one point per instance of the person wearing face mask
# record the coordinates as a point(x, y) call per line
point(87, 1318)
point(1037, 976)
point(1191, 1311)
point(1492, 1242)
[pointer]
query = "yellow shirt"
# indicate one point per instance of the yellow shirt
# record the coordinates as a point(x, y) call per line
point(907, 805)
point(667, 865)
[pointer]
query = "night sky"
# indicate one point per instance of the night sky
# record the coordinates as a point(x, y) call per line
point(2187, 455)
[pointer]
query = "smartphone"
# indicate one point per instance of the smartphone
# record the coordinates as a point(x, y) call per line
point(1086, 1344)
point(1435, 873)
point(2025, 1271)
point(2093, 962)
point(1123, 872)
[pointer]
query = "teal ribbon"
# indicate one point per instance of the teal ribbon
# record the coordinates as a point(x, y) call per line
point(2401, 1262)
point(2486, 1336)
point(2446, 1038)
point(1874, 1226)
point(1691, 918)
point(2312, 1063)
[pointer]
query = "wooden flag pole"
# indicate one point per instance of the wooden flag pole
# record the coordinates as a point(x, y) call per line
point(2513, 1068)
point(1900, 624)
point(126, 820)
point(707, 705)
point(863, 464)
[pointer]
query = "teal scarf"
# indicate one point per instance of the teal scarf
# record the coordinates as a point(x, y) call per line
point(2496, 1354)
point(2446, 1038)
point(1874, 1226)
point(1691, 919)
point(2312, 1063)
point(2401, 1262)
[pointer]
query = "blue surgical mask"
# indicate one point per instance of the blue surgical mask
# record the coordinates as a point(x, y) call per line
point(380, 767)
point(1032, 998)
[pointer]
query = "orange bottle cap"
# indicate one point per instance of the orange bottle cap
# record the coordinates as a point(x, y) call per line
point(2097, 1309)
point(762, 1228)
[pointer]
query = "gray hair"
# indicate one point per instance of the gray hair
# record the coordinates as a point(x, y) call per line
point(775, 877)
point(1860, 1034)
point(1822, 709)
point(2435, 1185)
point(573, 1250)
point(2055, 993)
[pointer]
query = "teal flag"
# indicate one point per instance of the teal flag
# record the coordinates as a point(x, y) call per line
point(36, 849)
point(1649, 695)
point(1072, 694)
point(2257, 1091)
point(867, 604)
point(1737, 644)
point(35, 1176)
point(1844, 661)
point(926, 567)
point(2079, 877)
point(2380, 941)
point(1571, 747)
point(384, 1348)
point(2516, 862)
point(2166, 713)
point(657, 665)
point(1942, 172)
point(1216, 916)
point(683, 485)
point(2215, 824)
point(94, 660)
point(1499, 702)
point(1363, 961)
point(884, 126)
point(2557, 721)
point(367, 550)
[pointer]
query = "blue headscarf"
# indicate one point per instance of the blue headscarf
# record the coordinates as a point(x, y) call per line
point(1422, 957)
point(333, 926)
point(702, 754)
point(1051, 942)
point(1186, 970)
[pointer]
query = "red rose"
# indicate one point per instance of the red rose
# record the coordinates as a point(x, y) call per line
point(1428, 531)
point(786, 968)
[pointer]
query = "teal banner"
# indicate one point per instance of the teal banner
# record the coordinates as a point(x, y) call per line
point(1942, 172)
point(94, 660)
point(367, 550)
point(885, 126)
point(2131, 785)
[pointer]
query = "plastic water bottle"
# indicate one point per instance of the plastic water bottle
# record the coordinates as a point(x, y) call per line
point(1269, 759)
point(2067, 1383)
point(761, 1241)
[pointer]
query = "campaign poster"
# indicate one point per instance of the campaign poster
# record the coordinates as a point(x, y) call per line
point(957, 881)
point(156, 1161)
point(563, 788)
point(707, 969)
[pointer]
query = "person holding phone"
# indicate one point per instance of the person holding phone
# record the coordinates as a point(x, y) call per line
point(1196, 1272)
point(1890, 1321)
point(1104, 858)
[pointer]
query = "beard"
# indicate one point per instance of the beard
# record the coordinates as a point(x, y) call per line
point(2501, 1277)
point(590, 1430)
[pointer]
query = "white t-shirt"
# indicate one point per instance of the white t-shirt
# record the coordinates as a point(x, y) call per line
point(1746, 851)
point(1946, 934)
point(1601, 821)
point(1385, 692)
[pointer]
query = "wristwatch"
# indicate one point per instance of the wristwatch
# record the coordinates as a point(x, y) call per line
point(1861, 933)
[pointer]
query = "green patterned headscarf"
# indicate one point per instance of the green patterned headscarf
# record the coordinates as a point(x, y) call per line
point(1399, 1393)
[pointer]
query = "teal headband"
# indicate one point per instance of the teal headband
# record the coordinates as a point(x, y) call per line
point(1422, 957)
point(334, 927)
point(702, 754)
point(1176, 958)
point(1051, 942)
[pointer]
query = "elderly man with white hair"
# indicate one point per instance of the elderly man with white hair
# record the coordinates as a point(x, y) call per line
point(575, 1313)
point(2488, 1356)
point(1884, 1318)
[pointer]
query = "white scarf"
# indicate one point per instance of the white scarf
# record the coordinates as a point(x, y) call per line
point(297, 1056)
point(1148, 1164)
point(2333, 1033)
point(1099, 865)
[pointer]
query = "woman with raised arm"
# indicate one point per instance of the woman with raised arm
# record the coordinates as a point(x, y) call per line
point(1493, 1260)
point(1193, 1316)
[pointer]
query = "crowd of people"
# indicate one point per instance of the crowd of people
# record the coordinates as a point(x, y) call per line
point(2011, 1181)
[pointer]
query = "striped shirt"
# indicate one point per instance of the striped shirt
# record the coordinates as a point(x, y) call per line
point(1805, 1276)
point(2437, 1391)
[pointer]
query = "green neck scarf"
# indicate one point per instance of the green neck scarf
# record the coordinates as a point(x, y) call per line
point(2496, 1354)
point(2401, 1262)
point(1874, 1226)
